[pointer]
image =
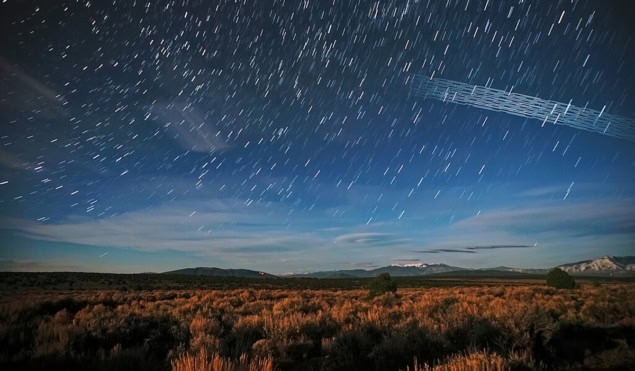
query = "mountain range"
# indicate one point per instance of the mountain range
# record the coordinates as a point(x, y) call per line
point(220, 272)
point(395, 270)
point(623, 265)
point(604, 266)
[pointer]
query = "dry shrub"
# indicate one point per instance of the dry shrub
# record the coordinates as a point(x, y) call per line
point(527, 324)
point(203, 333)
point(482, 361)
point(202, 361)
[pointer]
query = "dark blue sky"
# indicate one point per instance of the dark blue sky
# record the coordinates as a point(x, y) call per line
point(281, 136)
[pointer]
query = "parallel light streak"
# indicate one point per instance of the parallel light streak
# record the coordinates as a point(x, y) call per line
point(547, 111)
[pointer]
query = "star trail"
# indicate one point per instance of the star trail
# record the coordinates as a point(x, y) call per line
point(284, 136)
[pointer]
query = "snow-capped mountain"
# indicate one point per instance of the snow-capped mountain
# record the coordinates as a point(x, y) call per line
point(605, 264)
point(415, 265)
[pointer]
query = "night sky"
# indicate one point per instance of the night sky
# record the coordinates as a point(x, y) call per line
point(282, 135)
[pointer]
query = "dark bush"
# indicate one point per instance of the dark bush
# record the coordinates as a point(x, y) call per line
point(560, 279)
point(476, 333)
point(351, 350)
point(382, 284)
point(397, 350)
point(240, 340)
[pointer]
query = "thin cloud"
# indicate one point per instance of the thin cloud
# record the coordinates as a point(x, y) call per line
point(28, 93)
point(557, 191)
point(187, 127)
point(406, 260)
point(266, 246)
point(560, 215)
point(369, 239)
point(437, 251)
point(542, 192)
point(493, 247)
point(557, 227)
point(12, 161)
point(549, 224)
point(471, 249)
point(365, 265)
point(216, 226)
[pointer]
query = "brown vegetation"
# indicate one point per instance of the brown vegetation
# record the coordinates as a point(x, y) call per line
point(446, 328)
point(202, 361)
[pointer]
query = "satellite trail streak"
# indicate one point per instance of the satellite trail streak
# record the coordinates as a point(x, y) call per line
point(560, 113)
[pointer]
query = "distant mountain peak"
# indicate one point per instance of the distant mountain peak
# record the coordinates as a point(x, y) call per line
point(604, 264)
point(413, 265)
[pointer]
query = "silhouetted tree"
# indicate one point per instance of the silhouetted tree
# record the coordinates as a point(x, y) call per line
point(382, 284)
point(560, 279)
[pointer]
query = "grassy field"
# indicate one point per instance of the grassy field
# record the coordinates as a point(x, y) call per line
point(134, 322)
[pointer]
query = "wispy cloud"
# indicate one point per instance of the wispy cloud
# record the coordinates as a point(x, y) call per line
point(544, 192)
point(12, 161)
point(470, 249)
point(367, 239)
point(240, 233)
point(558, 191)
point(581, 217)
point(216, 226)
point(28, 93)
point(406, 260)
point(493, 247)
point(562, 230)
point(187, 126)
point(365, 265)
point(437, 251)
